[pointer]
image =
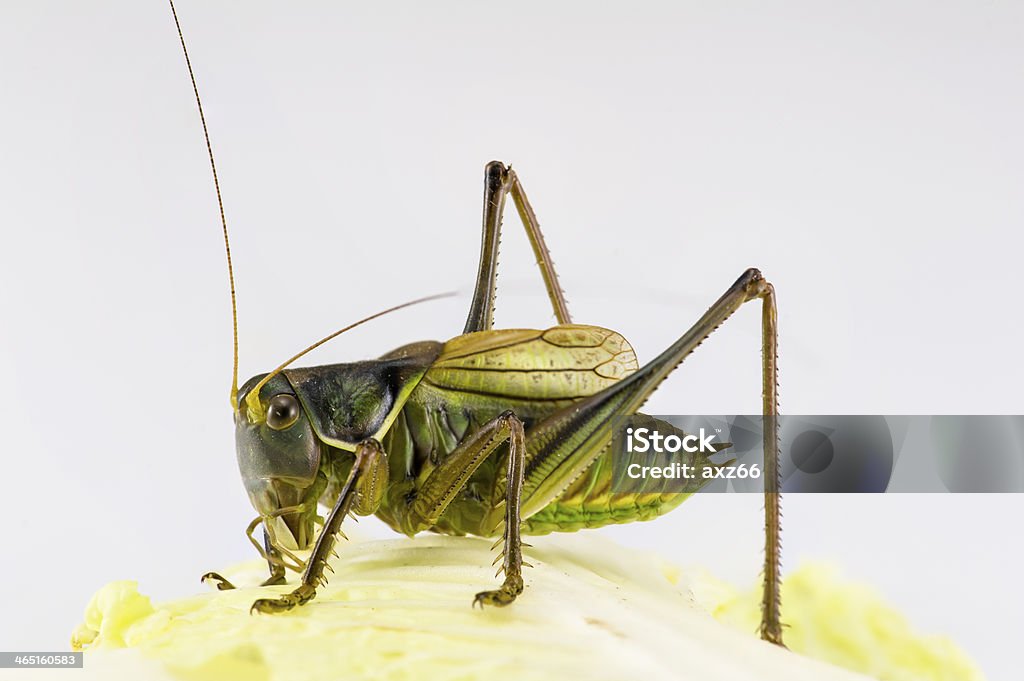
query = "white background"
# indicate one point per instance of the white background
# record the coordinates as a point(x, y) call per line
point(868, 157)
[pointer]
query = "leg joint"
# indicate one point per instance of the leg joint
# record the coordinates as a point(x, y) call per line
point(370, 446)
point(754, 284)
point(507, 416)
point(496, 175)
point(509, 419)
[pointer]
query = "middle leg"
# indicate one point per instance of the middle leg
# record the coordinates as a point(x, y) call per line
point(444, 483)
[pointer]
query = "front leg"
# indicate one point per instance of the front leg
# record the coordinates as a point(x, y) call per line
point(274, 561)
point(363, 491)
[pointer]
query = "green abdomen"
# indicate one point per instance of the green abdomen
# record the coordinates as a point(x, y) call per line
point(591, 502)
point(534, 373)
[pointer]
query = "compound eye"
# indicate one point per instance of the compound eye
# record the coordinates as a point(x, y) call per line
point(283, 411)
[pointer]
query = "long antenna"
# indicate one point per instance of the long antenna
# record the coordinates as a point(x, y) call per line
point(252, 399)
point(223, 219)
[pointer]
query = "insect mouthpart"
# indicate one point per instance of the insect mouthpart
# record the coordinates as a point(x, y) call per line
point(286, 513)
point(290, 531)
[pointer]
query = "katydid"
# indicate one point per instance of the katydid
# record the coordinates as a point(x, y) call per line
point(495, 433)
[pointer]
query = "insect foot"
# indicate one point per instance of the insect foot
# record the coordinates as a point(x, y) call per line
point(216, 580)
point(500, 597)
point(271, 606)
point(222, 583)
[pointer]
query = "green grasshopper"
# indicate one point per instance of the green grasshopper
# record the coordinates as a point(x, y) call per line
point(494, 433)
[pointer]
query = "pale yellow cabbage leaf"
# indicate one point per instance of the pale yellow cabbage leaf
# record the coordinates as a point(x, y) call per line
point(400, 609)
